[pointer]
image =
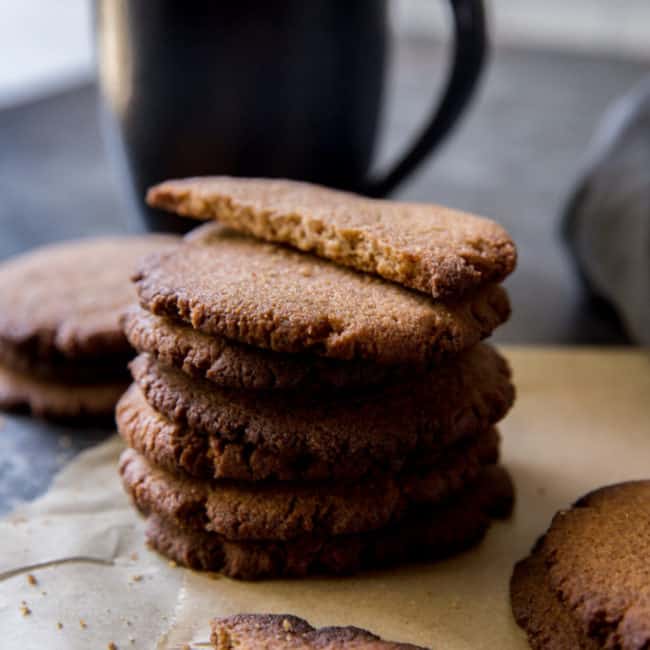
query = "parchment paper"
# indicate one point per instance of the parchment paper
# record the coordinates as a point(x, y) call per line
point(582, 420)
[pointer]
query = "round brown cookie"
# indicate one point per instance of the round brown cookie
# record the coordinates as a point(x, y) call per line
point(74, 371)
point(63, 301)
point(428, 247)
point(229, 285)
point(236, 365)
point(180, 450)
point(278, 631)
point(538, 610)
point(284, 510)
point(596, 561)
point(427, 535)
point(57, 400)
point(379, 428)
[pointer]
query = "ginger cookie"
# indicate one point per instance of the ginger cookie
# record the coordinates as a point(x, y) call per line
point(236, 365)
point(74, 371)
point(232, 286)
point(591, 570)
point(325, 434)
point(282, 510)
point(430, 248)
point(58, 400)
point(181, 450)
point(429, 534)
point(279, 631)
point(64, 300)
point(62, 351)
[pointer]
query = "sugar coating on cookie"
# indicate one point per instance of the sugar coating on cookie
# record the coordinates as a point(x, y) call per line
point(229, 285)
point(427, 247)
point(279, 631)
point(594, 561)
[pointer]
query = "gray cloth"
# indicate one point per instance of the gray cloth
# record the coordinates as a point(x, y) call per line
point(608, 217)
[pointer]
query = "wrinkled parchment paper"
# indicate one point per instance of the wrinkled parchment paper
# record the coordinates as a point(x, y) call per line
point(582, 420)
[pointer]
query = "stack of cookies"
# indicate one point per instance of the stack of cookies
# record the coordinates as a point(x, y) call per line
point(321, 411)
point(62, 352)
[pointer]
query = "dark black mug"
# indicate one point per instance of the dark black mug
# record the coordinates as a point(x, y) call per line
point(286, 88)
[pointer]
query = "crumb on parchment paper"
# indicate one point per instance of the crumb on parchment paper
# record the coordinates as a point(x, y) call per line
point(59, 625)
point(31, 579)
point(111, 646)
point(24, 609)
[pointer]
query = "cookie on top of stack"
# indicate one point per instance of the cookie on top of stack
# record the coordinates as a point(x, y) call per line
point(295, 413)
point(62, 352)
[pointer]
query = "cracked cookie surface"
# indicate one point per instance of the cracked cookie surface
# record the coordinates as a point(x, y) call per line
point(282, 510)
point(430, 534)
point(595, 568)
point(316, 436)
point(280, 631)
point(237, 365)
point(427, 247)
point(229, 285)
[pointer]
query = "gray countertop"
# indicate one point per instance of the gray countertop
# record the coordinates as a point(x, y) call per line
point(514, 159)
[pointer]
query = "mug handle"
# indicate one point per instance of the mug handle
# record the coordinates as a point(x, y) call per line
point(470, 49)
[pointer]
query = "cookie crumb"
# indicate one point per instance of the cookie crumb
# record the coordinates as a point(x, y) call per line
point(172, 564)
point(134, 556)
point(186, 646)
point(82, 624)
point(286, 625)
point(136, 578)
point(111, 646)
point(24, 609)
point(31, 579)
point(59, 625)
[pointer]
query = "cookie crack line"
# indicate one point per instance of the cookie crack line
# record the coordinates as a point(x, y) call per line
point(229, 285)
point(285, 510)
point(382, 428)
point(428, 248)
point(432, 534)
